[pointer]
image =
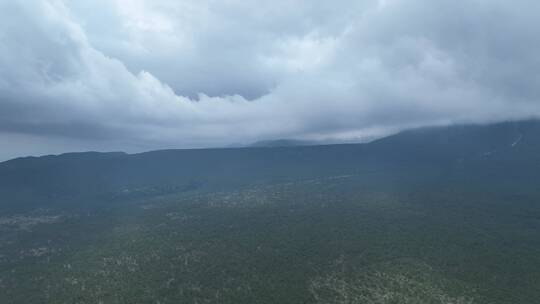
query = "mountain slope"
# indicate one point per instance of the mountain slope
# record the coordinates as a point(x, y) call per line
point(435, 215)
point(510, 149)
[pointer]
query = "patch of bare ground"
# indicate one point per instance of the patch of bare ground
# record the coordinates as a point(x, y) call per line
point(382, 287)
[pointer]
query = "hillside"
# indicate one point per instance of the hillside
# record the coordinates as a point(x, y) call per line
point(498, 151)
point(445, 215)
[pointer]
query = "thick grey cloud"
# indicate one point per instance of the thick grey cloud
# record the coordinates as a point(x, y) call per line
point(140, 74)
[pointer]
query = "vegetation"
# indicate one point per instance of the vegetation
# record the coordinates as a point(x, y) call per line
point(385, 228)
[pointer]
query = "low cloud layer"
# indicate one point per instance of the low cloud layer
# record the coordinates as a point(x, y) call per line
point(139, 75)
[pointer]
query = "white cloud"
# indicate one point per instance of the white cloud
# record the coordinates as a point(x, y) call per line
point(155, 74)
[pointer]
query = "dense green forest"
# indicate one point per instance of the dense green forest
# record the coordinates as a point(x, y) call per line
point(436, 215)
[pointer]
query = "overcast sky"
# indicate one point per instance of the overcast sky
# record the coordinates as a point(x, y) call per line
point(137, 75)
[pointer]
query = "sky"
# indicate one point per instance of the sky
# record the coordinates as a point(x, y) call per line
point(137, 75)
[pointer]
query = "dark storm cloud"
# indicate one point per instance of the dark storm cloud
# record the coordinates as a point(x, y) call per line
point(152, 74)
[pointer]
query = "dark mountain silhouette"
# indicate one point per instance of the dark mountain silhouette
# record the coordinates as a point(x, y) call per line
point(506, 153)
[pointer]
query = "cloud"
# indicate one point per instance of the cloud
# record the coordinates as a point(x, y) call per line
point(137, 75)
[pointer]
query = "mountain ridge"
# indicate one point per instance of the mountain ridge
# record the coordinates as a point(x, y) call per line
point(496, 151)
point(292, 143)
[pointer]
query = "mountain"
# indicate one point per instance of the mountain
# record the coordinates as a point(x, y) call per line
point(295, 143)
point(461, 152)
point(284, 143)
point(431, 215)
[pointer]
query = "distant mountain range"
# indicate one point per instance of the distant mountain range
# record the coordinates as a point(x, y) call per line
point(296, 143)
point(507, 153)
point(285, 143)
